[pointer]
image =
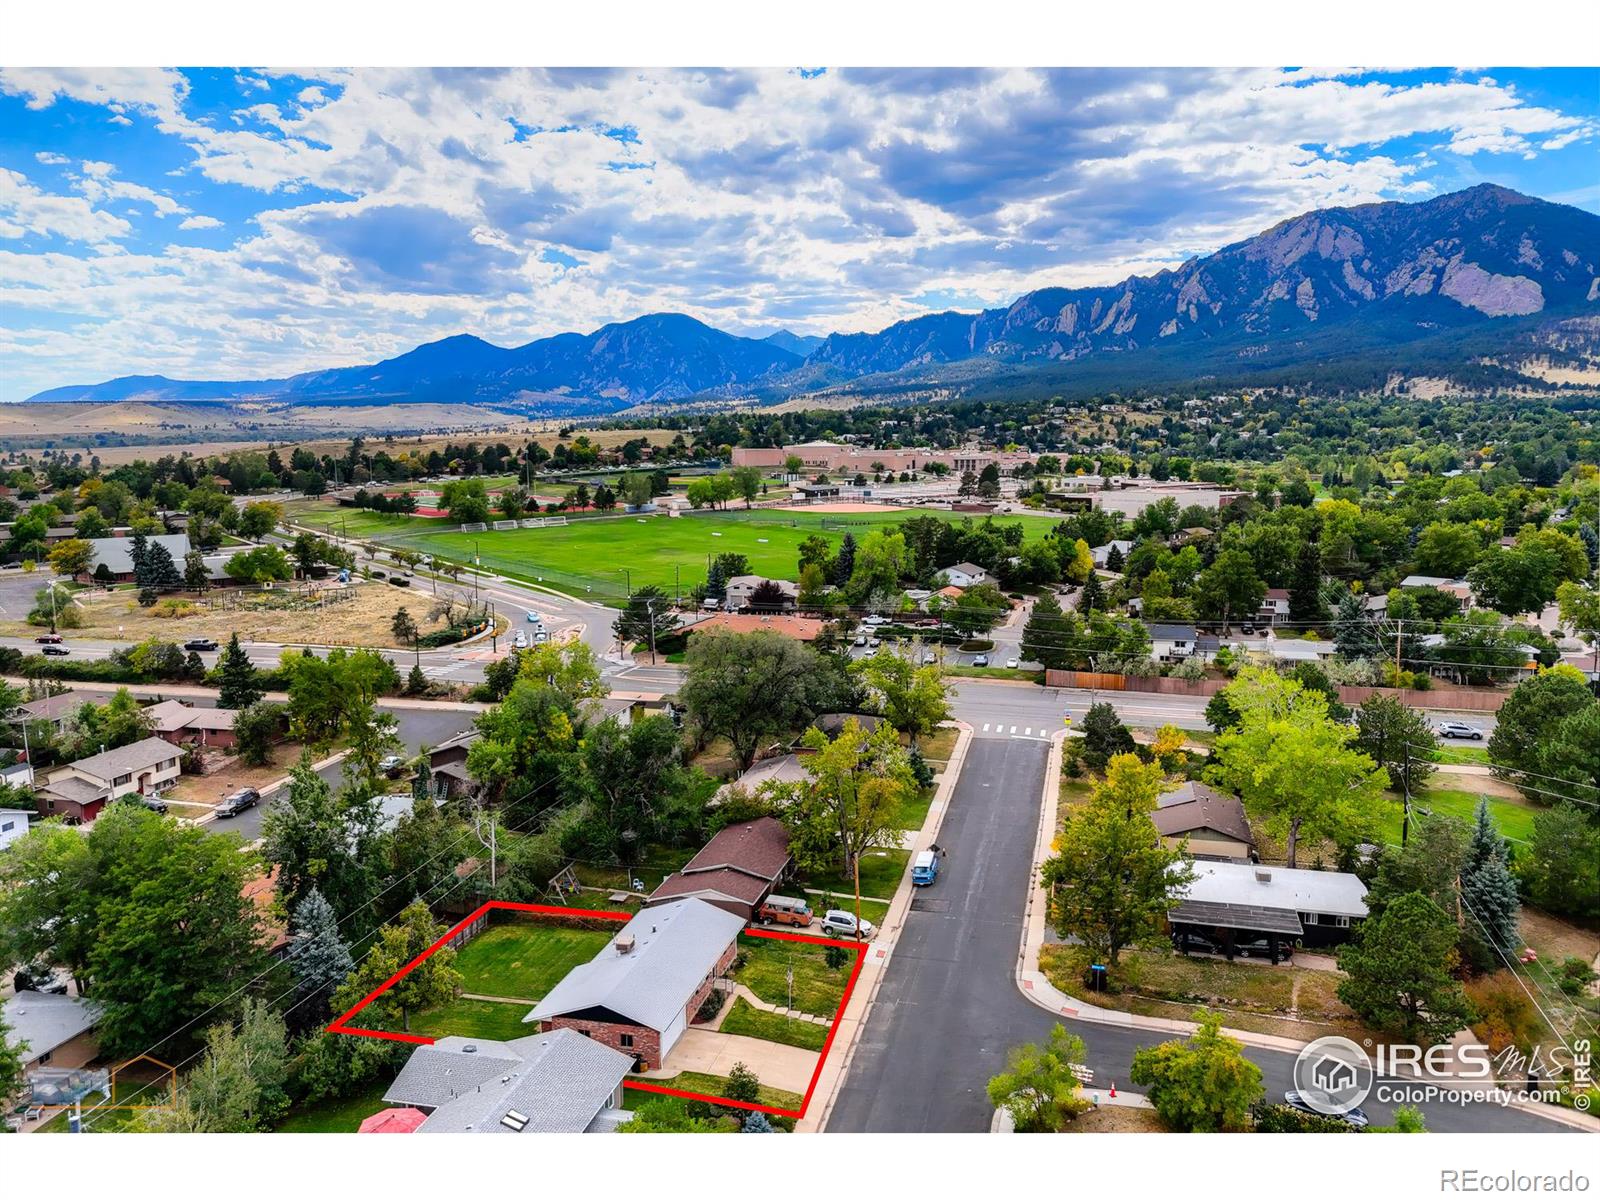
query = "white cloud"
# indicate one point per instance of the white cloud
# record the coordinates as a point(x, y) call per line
point(26, 210)
point(200, 222)
point(51, 159)
point(98, 186)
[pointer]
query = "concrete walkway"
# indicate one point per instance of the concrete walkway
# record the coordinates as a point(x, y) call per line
point(756, 1002)
point(713, 1053)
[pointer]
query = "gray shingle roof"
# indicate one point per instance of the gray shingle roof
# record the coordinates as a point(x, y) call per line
point(555, 1082)
point(115, 553)
point(136, 756)
point(51, 708)
point(45, 1021)
point(675, 947)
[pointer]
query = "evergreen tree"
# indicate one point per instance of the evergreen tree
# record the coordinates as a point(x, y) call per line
point(757, 1122)
point(416, 681)
point(1093, 596)
point(161, 571)
point(1115, 560)
point(716, 581)
point(1046, 636)
point(318, 958)
point(1353, 634)
point(195, 576)
point(844, 563)
point(1399, 972)
point(1488, 890)
point(240, 681)
point(1104, 736)
point(1305, 590)
point(139, 555)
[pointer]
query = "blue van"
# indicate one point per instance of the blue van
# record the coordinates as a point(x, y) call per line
point(925, 868)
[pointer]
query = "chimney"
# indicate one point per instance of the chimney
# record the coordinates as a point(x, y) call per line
point(625, 943)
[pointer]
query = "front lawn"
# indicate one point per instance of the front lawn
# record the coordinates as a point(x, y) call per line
point(745, 1020)
point(337, 1115)
point(491, 1020)
point(880, 875)
point(913, 811)
point(818, 988)
point(525, 958)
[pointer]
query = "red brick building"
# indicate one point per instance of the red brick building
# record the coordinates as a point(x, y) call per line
point(641, 992)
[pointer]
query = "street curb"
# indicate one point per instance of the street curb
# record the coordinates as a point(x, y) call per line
point(1037, 988)
point(854, 1018)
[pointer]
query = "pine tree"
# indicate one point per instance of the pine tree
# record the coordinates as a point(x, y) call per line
point(195, 576)
point(757, 1122)
point(1488, 890)
point(1046, 636)
point(1093, 596)
point(1353, 635)
point(139, 555)
point(1305, 591)
point(416, 681)
point(161, 571)
point(716, 581)
point(844, 563)
point(318, 958)
point(1114, 559)
point(240, 682)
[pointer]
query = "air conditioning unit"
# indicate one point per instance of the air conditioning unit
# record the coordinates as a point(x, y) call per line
point(1263, 876)
point(625, 943)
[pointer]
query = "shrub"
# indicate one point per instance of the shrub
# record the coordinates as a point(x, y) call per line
point(1575, 975)
point(1506, 1016)
point(710, 1006)
point(1280, 1118)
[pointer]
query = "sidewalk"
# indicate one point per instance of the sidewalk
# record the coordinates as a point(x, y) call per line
point(880, 950)
point(1039, 990)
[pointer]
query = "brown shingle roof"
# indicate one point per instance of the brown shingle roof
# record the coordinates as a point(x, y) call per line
point(758, 848)
point(725, 881)
point(1206, 808)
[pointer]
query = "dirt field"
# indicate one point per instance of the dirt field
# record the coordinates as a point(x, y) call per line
point(362, 620)
point(1110, 1118)
point(198, 794)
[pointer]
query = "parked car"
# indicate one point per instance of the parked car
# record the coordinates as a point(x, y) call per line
point(390, 764)
point(54, 650)
point(1011, 664)
point(981, 661)
point(784, 910)
point(154, 803)
point(929, 658)
point(1198, 943)
point(1356, 1118)
point(40, 978)
point(200, 644)
point(874, 642)
point(925, 868)
point(1260, 949)
point(838, 923)
point(1458, 729)
point(235, 804)
point(861, 639)
point(48, 639)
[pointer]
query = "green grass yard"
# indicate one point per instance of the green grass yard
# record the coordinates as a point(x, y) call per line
point(343, 1115)
point(1512, 818)
point(818, 988)
point(745, 1020)
point(487, 1019)
point(665, 551)
point(880, 875)
point(525, 958)
point(708, 1085)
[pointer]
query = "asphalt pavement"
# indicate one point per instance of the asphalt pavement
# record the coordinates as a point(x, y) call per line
point(949, 1007)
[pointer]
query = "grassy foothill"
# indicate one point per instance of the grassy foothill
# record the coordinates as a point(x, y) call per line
point(745, 1020)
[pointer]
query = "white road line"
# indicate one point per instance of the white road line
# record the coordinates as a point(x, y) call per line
point(986, 726)
point(1013, 729)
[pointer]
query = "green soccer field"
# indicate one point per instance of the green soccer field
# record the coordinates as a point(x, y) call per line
point(606, 557)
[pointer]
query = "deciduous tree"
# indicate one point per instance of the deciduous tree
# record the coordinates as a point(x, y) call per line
point(1038, 1087)
point(1202, 1084)
point(1399, 972)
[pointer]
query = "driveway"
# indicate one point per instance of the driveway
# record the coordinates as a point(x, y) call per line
point(706, 1050)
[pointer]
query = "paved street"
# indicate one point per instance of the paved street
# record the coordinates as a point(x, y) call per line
point(949, 1007)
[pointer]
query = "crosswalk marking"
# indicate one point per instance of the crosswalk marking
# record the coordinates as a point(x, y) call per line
point(986, 726)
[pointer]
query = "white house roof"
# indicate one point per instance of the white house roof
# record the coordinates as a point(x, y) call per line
point(44, 1021)
point(555, 1082)
point(116, 552)
point(675, 946)
point(966, 568)
point(1335, 893)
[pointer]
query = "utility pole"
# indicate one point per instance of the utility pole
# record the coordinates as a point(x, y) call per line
point(1399, 624)
point(1405, 780)
point(650, 613)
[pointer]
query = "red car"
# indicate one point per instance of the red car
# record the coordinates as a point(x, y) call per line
point(48, 639)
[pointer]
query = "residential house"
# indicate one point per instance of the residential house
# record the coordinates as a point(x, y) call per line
point(833, 724)
point(262, 892)
point(735, 871)
point(116, 553)
point(641, 991)
point(1213, 823)
point(182, 725)
point(1459, 588)
point(557, 1081)
point(742, 587)
point(1173, 643)
point(13, 825)
point(447, 765)
point(57, 710)
point(965, 575)
point(784, 768)
point(81, 789)
point(58, 1030)
point(1274, 607)
point(1101, 553)
point(622, 709)
point(1231, 902)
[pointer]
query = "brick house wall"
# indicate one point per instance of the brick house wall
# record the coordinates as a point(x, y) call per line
point(705, 987)
point(645, 1043)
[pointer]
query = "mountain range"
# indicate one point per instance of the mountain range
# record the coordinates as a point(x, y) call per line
point(1359, 280)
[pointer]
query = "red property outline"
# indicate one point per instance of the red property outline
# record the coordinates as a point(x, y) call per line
point(341, 1023)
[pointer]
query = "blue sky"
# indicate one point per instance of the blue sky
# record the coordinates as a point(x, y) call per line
point(242, 224)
